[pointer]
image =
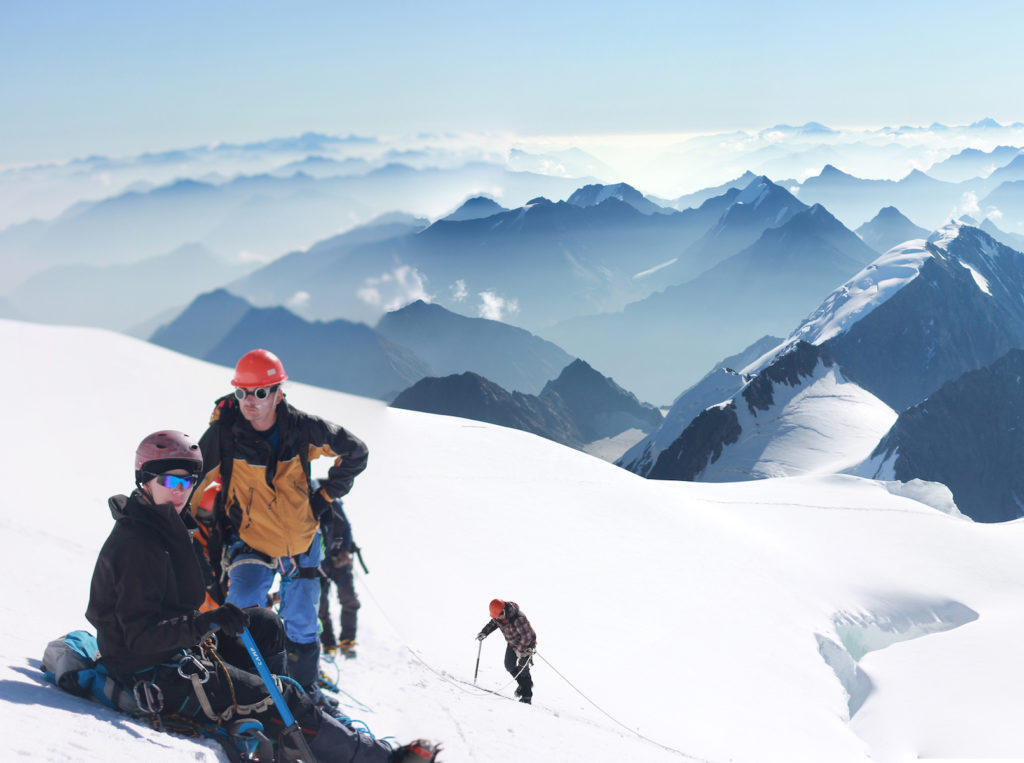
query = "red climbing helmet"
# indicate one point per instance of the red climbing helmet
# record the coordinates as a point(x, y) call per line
point(496, 608)
point(166, 450)
point(258, 368)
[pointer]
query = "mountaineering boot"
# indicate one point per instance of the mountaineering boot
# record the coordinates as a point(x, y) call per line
point(420, 751)
point(325, 702)
point(334, 741)
point(348, 648)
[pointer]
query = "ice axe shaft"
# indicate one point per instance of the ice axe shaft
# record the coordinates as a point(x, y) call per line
point(292, 731)
point(479, 648)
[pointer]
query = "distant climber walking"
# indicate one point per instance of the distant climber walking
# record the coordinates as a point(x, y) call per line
point(337, 567)
point(522, 643)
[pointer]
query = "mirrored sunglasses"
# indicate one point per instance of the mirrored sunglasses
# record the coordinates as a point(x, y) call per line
point(172, 481)
point(260, 393)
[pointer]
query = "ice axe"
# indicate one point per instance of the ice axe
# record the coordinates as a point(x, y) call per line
point(479, 648)
point(292, 735)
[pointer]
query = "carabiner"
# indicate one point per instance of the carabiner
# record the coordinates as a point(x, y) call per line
point(200, 669)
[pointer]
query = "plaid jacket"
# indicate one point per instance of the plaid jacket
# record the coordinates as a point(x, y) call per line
point(514, 627)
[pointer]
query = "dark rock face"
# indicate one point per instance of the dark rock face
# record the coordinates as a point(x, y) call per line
point(789, 369)
point(578, 407)
point(703, 441)
point(969, 435)
point(471, 396)
point(700, 444)
point(599, 406)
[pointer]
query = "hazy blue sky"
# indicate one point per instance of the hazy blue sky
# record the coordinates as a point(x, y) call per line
point(114, 78)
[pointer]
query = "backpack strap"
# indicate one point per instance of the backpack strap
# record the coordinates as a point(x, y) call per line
point(226, 444)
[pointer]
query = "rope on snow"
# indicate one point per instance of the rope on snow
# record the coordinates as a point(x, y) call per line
point(481, 692)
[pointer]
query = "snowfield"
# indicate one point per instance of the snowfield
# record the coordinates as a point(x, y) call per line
point(820, 619)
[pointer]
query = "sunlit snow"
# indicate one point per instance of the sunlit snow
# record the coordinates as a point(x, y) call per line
point(816, 619)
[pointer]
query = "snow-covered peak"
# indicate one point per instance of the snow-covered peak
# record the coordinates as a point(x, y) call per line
point(995, 269)
point(870, 288)
point(948, 233)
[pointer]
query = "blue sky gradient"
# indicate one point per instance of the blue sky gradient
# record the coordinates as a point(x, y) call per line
point(119, 78)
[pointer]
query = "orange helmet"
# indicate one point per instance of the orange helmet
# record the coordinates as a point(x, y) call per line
point(258, 368)
point(497, 607)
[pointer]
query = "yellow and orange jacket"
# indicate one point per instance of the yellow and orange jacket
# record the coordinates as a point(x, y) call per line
point(266, 501)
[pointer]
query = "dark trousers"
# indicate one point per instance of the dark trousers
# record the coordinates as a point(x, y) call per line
point(231, 686)
point(233, 680)
point(524, 680)
point(345, 582)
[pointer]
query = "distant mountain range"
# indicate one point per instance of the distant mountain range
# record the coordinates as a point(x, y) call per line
point(542, 262)
point(121, 296)
point(409, 344)
point(972, 163)
point(658, 345)
point(450, 343)
point(577, 408)
point(918, 195)
point(341, 355)
point(258, 216)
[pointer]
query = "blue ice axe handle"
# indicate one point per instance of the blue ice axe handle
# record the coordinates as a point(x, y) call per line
point(268, 679)
point(292, 729)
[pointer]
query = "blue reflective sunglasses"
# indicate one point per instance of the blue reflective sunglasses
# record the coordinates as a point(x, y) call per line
point(172, 481)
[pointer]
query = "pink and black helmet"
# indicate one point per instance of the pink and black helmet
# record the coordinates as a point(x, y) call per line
point(166, 450)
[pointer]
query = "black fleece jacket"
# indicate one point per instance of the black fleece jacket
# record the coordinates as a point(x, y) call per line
point(146, 587)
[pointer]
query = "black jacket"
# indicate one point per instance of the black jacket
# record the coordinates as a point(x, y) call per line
point(146, 587)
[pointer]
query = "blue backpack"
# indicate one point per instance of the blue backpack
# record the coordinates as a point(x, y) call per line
point(70, 662)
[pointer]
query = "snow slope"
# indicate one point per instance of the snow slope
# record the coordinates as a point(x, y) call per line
point(824, 425)
point(737, 622)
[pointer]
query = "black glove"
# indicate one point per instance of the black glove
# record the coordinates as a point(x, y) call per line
point(229, 618)
point(481, 636)
point(320, 505)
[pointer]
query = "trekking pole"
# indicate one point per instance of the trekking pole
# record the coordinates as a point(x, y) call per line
point(480, 647)
point(292, 731)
